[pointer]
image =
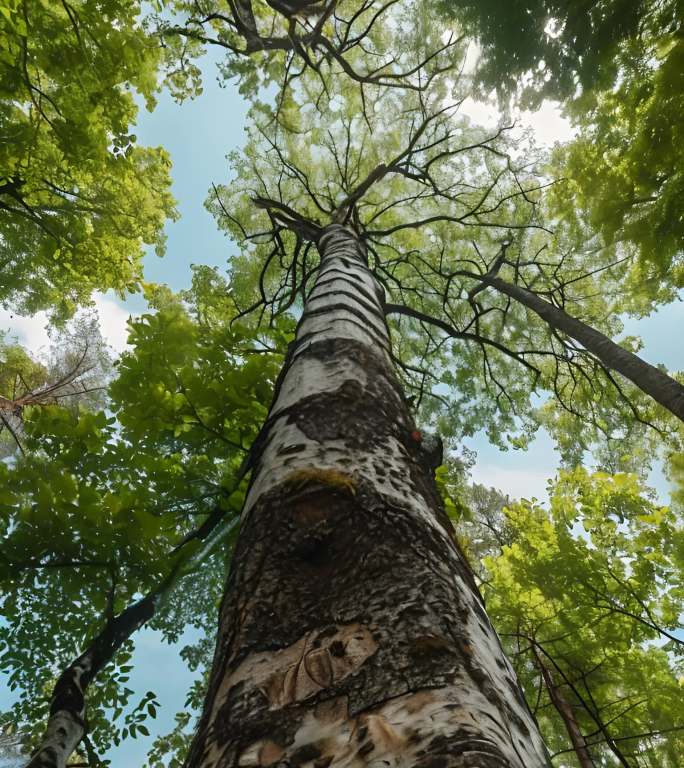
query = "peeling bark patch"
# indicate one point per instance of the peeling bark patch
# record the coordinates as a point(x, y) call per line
point(262, 753)
point(401, 733)
point(315, 662)
point(305, 670)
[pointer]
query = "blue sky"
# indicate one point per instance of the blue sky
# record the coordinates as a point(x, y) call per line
point(199, 134)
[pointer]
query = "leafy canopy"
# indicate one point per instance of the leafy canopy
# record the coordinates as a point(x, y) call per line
point(588, 589)
point(79, 199)
point(439, 203)
point(93, 513)
point(617, 68)
point(103, 506)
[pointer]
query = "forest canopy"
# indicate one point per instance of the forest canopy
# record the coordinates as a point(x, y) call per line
point(507, 273)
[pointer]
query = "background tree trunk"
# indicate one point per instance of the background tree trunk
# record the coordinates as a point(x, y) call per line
point(66, 725)
point(352, 632)
point(566, 712)
point(651, 380)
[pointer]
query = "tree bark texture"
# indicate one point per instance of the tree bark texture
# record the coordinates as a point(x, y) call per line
point(651, 380)
point(351, 631)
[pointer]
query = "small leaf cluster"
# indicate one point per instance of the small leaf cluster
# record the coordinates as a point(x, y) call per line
point(591, 587)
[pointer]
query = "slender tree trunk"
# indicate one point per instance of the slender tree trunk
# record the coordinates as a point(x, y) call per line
point(566, 713)
point(351, 631)
point(661, 387)
point(66, 725)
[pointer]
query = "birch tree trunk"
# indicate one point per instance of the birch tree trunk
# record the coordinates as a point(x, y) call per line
point(351, 631)
point(66, 724)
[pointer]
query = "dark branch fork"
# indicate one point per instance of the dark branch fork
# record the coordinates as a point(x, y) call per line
point(572, 356)
point(317, 34)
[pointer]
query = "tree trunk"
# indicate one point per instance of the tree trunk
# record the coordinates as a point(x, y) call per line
point(661, 387)
point(566, 713)
point(66, 724)
point(351, 631)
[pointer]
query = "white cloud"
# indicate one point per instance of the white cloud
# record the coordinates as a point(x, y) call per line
point(32, 332)
point(472, 56)
point(481, 112)
point(29, 331)
point(113, 318)
point(547, 122)
point(515, 482)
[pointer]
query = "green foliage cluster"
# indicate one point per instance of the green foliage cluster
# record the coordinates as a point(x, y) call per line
point(589, 586)
point(552, 46)
point(92, 512)
point(617, 66)
point(624, 169)
point(79, 199)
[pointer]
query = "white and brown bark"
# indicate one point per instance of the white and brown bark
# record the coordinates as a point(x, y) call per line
point(351, 631)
